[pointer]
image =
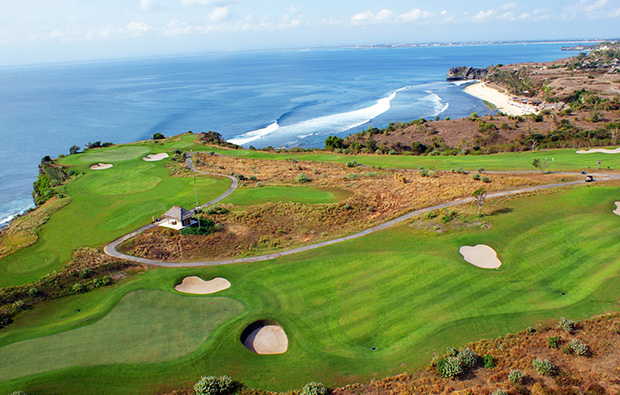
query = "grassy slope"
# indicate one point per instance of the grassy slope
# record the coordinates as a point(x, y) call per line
point(403, 291)
point(106, 204)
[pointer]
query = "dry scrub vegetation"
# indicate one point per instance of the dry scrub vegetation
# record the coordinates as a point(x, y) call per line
point(376, 195)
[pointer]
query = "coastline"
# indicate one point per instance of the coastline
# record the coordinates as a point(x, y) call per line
point(502, 101)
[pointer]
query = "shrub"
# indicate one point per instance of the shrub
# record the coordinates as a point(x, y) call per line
point(577, 347)
point(553, 341)
point(240, 177)
point(423, 172)
point(488, 361)
point(217, 209)
point(314, 388)
point(516, 376)
point(543, 366)
point(158, 136)
point(206, 228)
point(393, 152)
point(481, 169)
point(449, 367)
point(467, 358)
point(500, 392)
point(77, 288)
point(475, 176)
point(567, 325)
point(211, 385)
point(252, 178)
point(485, 179)
point(19, 393)
point(351, 176)
point(302, 178)
point(446, 219)
point(352, 164)
point(431, 215)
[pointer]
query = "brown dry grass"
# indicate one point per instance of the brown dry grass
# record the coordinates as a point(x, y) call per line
point(376, 196)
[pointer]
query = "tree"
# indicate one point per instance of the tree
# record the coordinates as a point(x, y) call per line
point(74, 150)
point(479, 196)
point(334, 142)
point(543, 165)
point(157, 136)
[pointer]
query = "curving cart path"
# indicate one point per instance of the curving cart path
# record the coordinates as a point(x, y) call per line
point(110, 249)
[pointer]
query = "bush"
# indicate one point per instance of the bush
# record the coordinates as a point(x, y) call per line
point(516, 376)
point(553, 341)
point(302, 178)
point(567, 325)
point(543, 366)
point(475, 176)
point(423, 172)
point(19, 393)
point(352, 164)
point(351, 176)
point(481, 169)
point(77, 288)
point(485, 179)
point(158, 136)
point(449, 367)
point(577, 347)
point(240, 177)
point(467, 358)
point(314, 388)
point(206, 228)
point(252, 178)
point(211, 385)
point(500, 392)
point(488, 361)
point(217, 209)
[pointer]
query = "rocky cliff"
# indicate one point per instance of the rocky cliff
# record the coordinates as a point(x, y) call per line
point(466, 73)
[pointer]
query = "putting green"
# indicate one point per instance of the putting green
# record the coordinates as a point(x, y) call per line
point(24, 263)
point(124, 180)
point(114, 154)
point(146, 326)
point(257, 196)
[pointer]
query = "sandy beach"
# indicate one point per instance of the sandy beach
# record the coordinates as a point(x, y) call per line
point(502, 101)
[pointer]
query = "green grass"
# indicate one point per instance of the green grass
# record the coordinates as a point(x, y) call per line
point(106, 204)
point(258, 196)
point(406, 292)
point(563, 159)
point(128, 334)
point(115, 154)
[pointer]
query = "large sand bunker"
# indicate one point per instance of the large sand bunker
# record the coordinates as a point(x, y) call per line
point(198, 286)
point(265, 337)
point(155, 157)
point(600, 151)
point(101, 166)
point(617, 210)
point(481, 255)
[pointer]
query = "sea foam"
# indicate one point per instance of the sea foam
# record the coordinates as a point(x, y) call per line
point(333, 123)
point(439, 105)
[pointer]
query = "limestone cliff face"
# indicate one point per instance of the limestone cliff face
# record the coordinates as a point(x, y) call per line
point(466, 73)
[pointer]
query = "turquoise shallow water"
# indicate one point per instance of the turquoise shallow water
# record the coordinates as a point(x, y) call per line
point(278, 98)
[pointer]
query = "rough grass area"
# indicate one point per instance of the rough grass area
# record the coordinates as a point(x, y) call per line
point(146, 326)
point(405, 292)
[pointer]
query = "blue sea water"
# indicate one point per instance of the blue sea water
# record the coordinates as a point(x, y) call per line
point(271, 98)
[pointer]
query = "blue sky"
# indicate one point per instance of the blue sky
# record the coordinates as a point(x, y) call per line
point(34, 31)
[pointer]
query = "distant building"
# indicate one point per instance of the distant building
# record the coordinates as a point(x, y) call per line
point(177, 218)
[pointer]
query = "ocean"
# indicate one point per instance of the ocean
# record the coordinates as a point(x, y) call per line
point(270, 98)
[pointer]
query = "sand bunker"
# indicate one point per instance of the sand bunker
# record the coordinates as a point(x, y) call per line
point(600, 151)
point(198, 286)
point(101, 166)
point(617, 210)
point(155, 157)
point(481, 255)
point(265, 337)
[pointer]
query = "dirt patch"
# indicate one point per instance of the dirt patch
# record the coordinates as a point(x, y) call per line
point(197, 286)
point(101, 166)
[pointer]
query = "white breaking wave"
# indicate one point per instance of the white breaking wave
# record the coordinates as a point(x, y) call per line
point(459, 83)
point(440, 105)
point(334, 123)
point(255, 135)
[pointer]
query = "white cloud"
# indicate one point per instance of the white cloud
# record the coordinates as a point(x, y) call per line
point(204, 2)
point(415, 15)
point(508, 6)
point(369, 17)
point(219, 14)
point(136, 28)
point(176, 27)
point(592, 9)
